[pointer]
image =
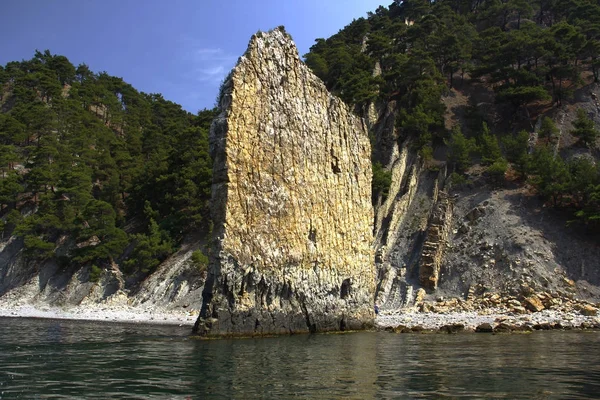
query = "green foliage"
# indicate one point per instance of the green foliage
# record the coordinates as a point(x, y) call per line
point(574, 185)
point(515, 148)
point(585, 129)
point(341, 64)
point(89, 152)
point(95, 273)
point(522, 95)
point(457, 179)
point(489, 147)
point(199, 260)
point(551, 175)
point(100, 223)
point(150, 250)
point(460, 150)
point(497, 170)
point(38, 247)
point(426, 154)
point(548, 130)
point(382, 180)
point(528, 52)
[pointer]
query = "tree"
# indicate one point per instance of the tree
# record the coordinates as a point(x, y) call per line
point(149, 249)
point(98, 222)
point(489, 147)
point(84, 154)
point(585, 175)
point(382, 180)
point(10, 187)
point(585, 129)
point(497, 170)
point(460, 150)
point(551, 175)
point(548, 129)
point(515, 148)
point(521, 96)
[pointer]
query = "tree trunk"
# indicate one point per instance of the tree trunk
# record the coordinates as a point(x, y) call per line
point(560, 92)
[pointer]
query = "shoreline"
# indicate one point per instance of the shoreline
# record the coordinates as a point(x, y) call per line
point(398, 321)
point(494, 319)
point(99, 313)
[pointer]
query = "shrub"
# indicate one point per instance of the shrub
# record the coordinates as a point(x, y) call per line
point(95, 273)
point(548, 129)
point(199, 260)
point(585, 129)
point(382, 180)
point(460, 150)
point(498, 169)
point(490, 149)
point(457, 179)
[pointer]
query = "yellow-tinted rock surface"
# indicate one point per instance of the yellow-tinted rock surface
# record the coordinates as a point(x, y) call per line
point(291, 202)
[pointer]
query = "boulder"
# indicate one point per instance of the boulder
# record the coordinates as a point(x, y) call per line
point(533, 304)
point(588, 310)
point(484, 328)
point(452, 328)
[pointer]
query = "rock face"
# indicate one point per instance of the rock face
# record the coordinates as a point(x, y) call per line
point(176, 285)
point(292, 209)
point(435, 241)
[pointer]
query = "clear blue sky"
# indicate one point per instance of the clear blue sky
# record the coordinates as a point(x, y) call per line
point(180, 48)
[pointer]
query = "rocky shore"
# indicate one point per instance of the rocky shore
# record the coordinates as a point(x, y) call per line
point(493, 322)
point(523, 309)
point(489, 320)
point(100, 312)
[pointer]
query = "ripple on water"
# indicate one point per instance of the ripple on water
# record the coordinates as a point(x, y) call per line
point(42, 358)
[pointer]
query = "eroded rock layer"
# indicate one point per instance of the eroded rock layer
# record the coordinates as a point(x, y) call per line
point(435, 242)
point(291, 202)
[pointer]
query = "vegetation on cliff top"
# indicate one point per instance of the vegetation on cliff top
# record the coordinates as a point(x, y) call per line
point(93, 171)
point(530, 55)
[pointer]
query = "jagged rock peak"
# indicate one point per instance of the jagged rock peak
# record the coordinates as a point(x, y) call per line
point(292, 249)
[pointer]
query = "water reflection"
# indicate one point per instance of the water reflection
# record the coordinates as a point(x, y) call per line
point(94, 360)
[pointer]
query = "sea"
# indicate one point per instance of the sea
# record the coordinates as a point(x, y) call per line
point(56, 359)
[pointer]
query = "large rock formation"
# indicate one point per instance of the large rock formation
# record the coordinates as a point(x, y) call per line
point(291, 202)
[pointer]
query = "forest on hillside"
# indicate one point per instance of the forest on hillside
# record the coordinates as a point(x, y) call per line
point(531, 54)
point(93, 171)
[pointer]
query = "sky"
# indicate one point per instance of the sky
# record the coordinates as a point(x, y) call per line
point(179, 48)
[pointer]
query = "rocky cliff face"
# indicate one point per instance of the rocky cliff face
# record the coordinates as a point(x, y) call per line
point(436, 238)
point(470, 243)
point(175, 286)
point(291, 202)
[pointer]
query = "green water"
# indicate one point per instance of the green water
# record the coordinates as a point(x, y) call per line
point(61, 359)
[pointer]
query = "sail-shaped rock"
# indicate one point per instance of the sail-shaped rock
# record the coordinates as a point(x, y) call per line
point(293, 221)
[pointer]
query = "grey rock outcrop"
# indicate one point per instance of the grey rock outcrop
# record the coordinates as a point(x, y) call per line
point(175, 285)
point(292, 211)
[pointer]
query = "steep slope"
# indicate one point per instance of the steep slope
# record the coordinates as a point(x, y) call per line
point(100, 187)
point(291, 202)
point(481, 189)
point(176, 285)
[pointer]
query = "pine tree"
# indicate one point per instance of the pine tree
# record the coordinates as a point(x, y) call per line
point(585, 129)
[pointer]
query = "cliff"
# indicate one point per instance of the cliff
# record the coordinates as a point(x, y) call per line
point(443, 247)
point(292, 248)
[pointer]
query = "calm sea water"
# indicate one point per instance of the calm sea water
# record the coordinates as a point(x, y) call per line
point(61, 359)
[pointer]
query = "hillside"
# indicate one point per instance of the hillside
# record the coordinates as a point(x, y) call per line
point(484, 124)
point(99, 182)
point(483, 118)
